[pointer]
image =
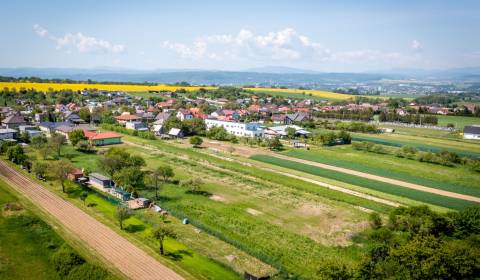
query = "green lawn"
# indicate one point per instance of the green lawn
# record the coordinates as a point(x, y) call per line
point(367, 183)
point(456, 179)
point(458, 121)
point(24, 244)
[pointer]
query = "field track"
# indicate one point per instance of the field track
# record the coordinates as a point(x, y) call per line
point(111, 247)
point(380, 178)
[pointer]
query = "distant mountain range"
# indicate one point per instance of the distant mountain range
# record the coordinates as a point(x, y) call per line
point(265, 76)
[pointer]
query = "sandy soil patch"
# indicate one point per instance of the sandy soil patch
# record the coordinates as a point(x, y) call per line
point(254, 212)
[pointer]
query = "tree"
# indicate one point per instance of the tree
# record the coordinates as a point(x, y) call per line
point(155, 177)
point(130, 178)
point(76, 136)
point(165, 172)
point(24, 137)
point(196, 141)
point(40, 169)
point(38, 141)
point(161, 233)
point(84, 146)
point(291, 132)
point(16, 154)
point(116, 159)
point(83, 196)
point(84, 114)
point(122, 213)
point(274, 144)
point(56, 143)
point(375, 220)
point(60, 170)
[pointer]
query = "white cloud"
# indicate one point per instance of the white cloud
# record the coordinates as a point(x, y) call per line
point(282, 46)
point(416, 45)
point(82, 43)
point(42, 32)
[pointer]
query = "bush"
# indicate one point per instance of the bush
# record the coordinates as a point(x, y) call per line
point(87, 271)
point(65, 260)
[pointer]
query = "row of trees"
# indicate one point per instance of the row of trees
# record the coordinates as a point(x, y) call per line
point(332, 138)
point(409, 118)
point(344, 114)
point(445, 158)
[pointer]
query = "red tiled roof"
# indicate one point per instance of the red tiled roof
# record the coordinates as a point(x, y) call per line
point(127, 117)
point(93, 135)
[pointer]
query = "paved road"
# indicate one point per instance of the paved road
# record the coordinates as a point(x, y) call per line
point(116, 250)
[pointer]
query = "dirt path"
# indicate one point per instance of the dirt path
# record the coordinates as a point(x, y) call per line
point(110, 246)
point(336, 188)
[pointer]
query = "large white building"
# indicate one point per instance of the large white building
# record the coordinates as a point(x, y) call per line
point(237, 128)
point(471, 132)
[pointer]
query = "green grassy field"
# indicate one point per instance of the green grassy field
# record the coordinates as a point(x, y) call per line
point(458, 121)
point(367, 183)
point(27, 243)
point(456, 179)
point(288, 215)
point(24, 241)
point(421, 143)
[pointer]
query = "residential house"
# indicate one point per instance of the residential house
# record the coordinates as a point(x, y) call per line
point(72, 117)
point(471, 132)
point(140, 126)
point(49, 127)
point(296, 117)
point(184, 114)
point(7, 133)
point(30, 129)
point(14, 121)
point(127, 117)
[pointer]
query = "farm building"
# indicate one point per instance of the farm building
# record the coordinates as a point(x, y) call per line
point(471, 132)
point(75, 175)
point(103, 138)
point(100, 181)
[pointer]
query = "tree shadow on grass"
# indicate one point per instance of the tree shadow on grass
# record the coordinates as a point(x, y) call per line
point(178, 255)
point(203, 193)
point(134, 228)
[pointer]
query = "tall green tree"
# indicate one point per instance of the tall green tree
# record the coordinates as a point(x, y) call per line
point(122, 213)
point(161, 233)
point(60, 170)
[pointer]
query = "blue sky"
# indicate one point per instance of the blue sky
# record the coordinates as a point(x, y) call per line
point(236, 35)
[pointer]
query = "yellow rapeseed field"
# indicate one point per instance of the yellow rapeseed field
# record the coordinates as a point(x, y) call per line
point(109, 87)
point(318, 93)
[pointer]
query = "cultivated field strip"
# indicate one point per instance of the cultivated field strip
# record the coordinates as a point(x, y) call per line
point(381, 179)
point(116, 250)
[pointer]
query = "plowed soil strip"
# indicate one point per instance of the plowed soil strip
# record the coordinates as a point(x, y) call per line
point(118, 251)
